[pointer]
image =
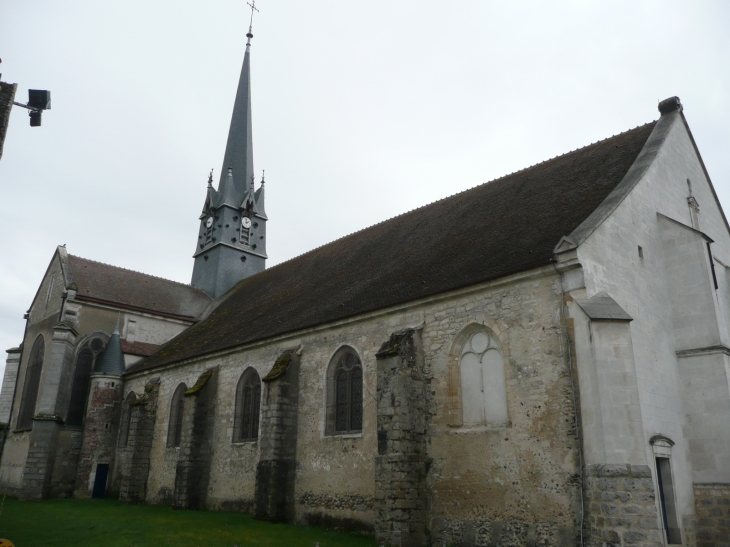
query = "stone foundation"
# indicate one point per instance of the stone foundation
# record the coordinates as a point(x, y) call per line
point(620, 507)
point(712, 502)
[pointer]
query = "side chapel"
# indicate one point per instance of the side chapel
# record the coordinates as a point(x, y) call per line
point(543, 359)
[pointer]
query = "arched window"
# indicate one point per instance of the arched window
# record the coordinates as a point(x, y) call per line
point(126, 419)
point(483, 393)
point(31, 384)
point(344, 393)
point(174, 430)
point(85, 359)
point(248, 405)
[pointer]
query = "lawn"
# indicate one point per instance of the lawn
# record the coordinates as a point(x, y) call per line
point(112, 524)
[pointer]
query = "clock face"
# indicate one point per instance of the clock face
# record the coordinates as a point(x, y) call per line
point(209, 222)
point(246, 222)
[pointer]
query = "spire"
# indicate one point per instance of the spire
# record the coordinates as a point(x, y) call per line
point(239, 147)
point(259, 197)
point(112, 360)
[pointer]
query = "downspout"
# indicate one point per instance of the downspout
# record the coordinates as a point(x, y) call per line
point(15, 387)
point(576, 423)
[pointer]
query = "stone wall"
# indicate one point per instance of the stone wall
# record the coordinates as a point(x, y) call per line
point(621, 507)
point(7, 95)
point(276, 470)
point(712, 501)
point(100, 430)
point(133, 461)
point(517, 475)
point(402, 464)
point(193, 466)
point(63, 481)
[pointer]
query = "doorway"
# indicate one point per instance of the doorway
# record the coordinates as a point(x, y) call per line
point(102, 471)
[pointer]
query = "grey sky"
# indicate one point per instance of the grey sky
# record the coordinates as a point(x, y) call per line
point(361, 111)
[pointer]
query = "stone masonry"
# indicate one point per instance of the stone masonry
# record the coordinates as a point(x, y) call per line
point(100, 428)
point(276, 470)
point(620, 503)
point(402, 463)
point(193, 466)
point(52, 408)
point(134, 460)
point(713, 514)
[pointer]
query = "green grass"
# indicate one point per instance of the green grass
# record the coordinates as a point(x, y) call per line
point(112, 524)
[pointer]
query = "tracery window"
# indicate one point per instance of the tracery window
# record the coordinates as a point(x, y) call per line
point(126, 420)
point(248, 407)
point(483, 392)
point(344, 393)
point(32, 382)
point(177, 405)
point(86, 357)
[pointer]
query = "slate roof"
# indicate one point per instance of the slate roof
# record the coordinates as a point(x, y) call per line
point(112, 360)
point(132, 290)
point(506, 226)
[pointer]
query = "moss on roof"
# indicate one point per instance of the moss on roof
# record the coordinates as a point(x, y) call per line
point(506, 226)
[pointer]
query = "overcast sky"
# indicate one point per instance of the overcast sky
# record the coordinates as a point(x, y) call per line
point(361, 111)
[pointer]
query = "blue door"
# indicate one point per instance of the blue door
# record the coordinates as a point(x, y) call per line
point(102, 470)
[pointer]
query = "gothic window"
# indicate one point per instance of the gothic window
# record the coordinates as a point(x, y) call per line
point(174, 430)
point(85, 359)
point(344, 393)
point(31, 384)
point(483, 393)
point(126, 420)
point(248, 405)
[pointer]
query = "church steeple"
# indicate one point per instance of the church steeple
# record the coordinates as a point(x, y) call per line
point(232, 238)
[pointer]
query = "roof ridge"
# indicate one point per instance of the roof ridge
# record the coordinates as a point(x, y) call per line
point(455, 194)
point(138, 272)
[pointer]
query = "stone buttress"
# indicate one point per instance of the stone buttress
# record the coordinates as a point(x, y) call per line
point(402, 463)
point(134, 459)
point(53, 405)
point(275, 472)
point(193, 466)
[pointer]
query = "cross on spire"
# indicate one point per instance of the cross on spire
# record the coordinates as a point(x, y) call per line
point(249, 35)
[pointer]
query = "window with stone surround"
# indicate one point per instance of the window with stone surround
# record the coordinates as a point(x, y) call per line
point(87, 354)
point(126, 419)
point(174, 428)
point(344, 393)
point(248, 406)
point(481, 372)
point(662, 449)
point(31, 384)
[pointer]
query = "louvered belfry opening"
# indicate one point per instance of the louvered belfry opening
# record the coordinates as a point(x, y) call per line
point(248, 407)
point(31, 384)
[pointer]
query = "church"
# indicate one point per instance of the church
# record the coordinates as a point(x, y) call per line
point(541, 360)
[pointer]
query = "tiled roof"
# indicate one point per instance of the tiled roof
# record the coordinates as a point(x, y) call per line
point(509, 225)
point(128, 289)
point(142, 349)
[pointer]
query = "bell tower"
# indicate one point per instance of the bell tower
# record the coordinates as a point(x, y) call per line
point(232, 238)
